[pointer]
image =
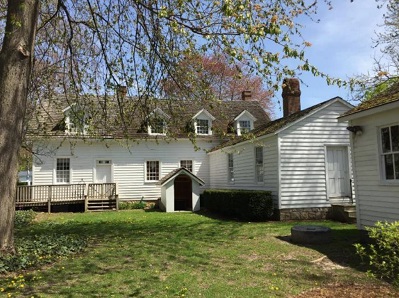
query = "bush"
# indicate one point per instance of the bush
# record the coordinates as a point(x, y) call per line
point(250, 205)
point(132, 205)
point(38, 250)
point(24, 218)
point(383, 254)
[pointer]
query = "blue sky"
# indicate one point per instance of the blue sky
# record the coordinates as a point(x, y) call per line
point(342, 46)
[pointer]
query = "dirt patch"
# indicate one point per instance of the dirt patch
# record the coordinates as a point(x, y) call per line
point(354, 290)
point(326, 264)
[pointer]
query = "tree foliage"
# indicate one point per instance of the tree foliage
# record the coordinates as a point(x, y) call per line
point(212, 77)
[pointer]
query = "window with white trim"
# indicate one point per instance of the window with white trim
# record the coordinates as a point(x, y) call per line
point(152, 170)
point(202, 126)
point(259, 164)
point(157, 126)
point(230, 166)
point(244, 126)
point(188, 164)
point(63, 170)
point(390, 152)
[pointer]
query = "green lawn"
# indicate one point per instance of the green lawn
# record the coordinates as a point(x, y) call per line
point(152, 254)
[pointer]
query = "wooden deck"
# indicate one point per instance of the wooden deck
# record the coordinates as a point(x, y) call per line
point(94, 196)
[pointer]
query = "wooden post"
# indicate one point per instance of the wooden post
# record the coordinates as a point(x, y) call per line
point(49, 199)
point(86, 196)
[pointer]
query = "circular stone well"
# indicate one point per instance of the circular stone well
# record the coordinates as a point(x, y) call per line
point(310, 234)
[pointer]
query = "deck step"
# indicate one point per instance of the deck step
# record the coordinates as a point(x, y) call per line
point(344, 213)
point(101, 205)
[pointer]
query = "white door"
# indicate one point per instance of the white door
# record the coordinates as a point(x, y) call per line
point(103, 171)
point(338, 172)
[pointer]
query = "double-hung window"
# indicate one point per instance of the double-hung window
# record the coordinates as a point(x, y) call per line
point(390, 152)
point(245, 126)
point(188, 164)
point(202, 126)
point(259, 164)
point(230, 165)
point(152, 170)
point(63, 170)
point(158, 126)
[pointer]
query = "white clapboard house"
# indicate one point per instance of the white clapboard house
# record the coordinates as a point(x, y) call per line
point(375, 146)
point(303, 158)
point(162, 153)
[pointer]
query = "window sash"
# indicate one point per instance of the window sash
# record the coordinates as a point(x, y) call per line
point(158, 126)
point(188, 164)
point(259, 164)
point(202, 126)
point(245, 126)
point(152, 170)
point(62, 172)
point(230, 166)
point(390, 152)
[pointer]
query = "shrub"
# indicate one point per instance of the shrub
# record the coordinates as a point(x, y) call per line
point(38, 250)
point(383, 253)
point(133, 205)
point(250, 205)
point(24, 218)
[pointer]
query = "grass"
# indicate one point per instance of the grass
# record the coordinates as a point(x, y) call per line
point(134, 253)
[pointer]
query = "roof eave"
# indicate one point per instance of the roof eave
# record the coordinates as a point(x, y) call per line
point(370, 111)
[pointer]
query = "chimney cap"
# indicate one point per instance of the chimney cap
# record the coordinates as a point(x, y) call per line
point(246, 94)
point(291, 86)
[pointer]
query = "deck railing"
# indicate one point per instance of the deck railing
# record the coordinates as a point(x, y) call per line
point(42, 194)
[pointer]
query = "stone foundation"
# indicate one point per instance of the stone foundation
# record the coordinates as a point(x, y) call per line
point(303, 213)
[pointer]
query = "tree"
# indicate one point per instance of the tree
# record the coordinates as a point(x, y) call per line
point(386, 66)
point(90, 46)
point(208, 77)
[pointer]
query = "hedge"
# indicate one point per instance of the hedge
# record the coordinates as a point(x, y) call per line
point(252, 205)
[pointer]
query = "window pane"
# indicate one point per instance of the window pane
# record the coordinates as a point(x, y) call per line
point(395, 138)
point(202, 126)
point(62, 170)
point(245, 126)
point(188, 164)
point(230, 166)
point(386, 143)
point(152, 170)
point(158, 126)
point(388, 160)
point(259, 164)
point(396, 161)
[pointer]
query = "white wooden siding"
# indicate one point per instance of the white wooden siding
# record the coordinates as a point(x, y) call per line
point(244, 167)
point(376, 199)
point(302, 157)
point(127, 163)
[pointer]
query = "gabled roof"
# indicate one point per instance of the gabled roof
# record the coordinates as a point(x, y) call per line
point(382, 101)
point(248, 114)
point(106, 117)
point(207, 114)
point(177, 172)
point(278, 125)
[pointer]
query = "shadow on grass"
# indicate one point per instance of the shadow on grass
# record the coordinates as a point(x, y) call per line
point(340, 250)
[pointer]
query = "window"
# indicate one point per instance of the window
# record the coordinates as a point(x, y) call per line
point(62, 172)
point(152, 171)
point(259, 164)
point(158, 126)
point(390, 152)
point(202, 126)
point(245, 126)
point(188, 164)
point(76, 122)
point(230, 167)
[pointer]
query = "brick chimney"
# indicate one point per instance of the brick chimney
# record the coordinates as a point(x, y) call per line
point(291, 96)
point(246, 95)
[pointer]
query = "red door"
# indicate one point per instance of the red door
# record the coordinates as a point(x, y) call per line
point(183, 193)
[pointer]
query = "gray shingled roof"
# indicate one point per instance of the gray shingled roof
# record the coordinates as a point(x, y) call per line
point(273, 126)
point(388, 96)
point(49, 119)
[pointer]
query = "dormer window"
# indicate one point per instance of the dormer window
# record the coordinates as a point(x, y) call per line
point(244, 122)
point(76, 120)
point(157, 122)
point(203, 122)
point(202, 126)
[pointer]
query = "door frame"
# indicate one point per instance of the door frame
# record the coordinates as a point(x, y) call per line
point(348, 156)
point(111, 164)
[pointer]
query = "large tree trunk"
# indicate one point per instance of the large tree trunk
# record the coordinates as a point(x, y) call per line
point(16, 59)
